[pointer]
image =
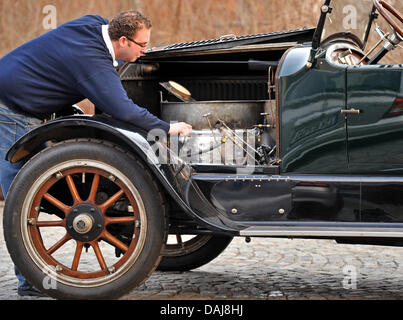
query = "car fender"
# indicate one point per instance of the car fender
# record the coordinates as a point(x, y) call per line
point(124, 135)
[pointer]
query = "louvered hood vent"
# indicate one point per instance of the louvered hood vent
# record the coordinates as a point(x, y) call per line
point(229, 41)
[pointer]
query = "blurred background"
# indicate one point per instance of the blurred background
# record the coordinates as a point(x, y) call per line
point(173, 20)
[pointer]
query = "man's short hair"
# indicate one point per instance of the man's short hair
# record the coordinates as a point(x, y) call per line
point(127, 24)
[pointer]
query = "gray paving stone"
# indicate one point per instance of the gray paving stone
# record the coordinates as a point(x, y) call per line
point(265, 269)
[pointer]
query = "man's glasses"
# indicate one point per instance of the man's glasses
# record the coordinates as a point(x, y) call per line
point(142, 45)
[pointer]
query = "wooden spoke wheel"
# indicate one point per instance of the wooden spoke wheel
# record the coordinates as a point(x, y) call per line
point(84, 221)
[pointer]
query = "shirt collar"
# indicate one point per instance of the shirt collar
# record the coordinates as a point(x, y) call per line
point(108, 43)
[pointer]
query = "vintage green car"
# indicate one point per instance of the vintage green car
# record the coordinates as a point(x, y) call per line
point(296, 134)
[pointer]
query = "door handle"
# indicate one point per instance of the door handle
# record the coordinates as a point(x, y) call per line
point(350, 111)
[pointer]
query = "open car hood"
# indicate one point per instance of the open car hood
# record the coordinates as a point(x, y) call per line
point(226, 42)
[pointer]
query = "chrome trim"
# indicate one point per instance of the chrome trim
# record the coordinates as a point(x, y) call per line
point(346, 45)
point(298, 178)
point(286, 231)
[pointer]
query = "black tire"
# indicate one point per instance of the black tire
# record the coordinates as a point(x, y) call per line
point(131, 223)
point(193, 253)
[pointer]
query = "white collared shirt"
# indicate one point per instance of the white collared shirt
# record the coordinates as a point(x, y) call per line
point(108, 43)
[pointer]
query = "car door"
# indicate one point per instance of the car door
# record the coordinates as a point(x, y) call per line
point(311, 127)
point(374, 118)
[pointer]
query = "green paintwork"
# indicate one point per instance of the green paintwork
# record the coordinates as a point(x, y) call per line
point(312, 129)
point(316, 138)
point(375, 138)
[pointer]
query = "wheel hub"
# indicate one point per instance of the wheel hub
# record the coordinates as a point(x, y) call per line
point(85, 222)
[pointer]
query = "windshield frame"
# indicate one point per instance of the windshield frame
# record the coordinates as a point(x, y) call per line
point(326, 10)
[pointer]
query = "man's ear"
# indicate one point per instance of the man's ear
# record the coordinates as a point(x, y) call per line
point(123, 42)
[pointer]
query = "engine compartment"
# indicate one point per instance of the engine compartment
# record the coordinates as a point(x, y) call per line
point(225, 132)
point(232, 106)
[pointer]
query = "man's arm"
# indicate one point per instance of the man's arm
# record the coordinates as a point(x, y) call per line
point(105, 90)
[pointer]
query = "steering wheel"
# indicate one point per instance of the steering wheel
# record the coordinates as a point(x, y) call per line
point(386, 10)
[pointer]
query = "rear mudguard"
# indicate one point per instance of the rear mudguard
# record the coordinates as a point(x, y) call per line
point(175, 178)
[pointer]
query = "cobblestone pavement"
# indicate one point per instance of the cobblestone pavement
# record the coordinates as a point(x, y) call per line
point(267, 269)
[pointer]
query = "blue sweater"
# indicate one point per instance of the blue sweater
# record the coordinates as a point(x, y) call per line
point(65, 66)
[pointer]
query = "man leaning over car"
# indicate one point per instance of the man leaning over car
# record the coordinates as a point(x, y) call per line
point(75, 61)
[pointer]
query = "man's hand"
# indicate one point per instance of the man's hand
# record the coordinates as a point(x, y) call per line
point(181, 128)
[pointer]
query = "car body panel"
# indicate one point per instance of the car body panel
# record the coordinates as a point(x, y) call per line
point(375, 135)
point(312, 130)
